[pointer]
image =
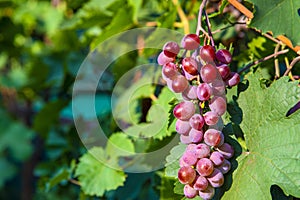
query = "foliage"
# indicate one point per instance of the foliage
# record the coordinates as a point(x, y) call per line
point(44, 43)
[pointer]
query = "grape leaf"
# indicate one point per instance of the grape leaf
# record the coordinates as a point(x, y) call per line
point(172, 165)
point(94, 176)
point(279, 16)
point(119, 145)
point(273, 141)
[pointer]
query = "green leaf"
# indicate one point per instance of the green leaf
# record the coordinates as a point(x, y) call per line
point(273, 141)
point(279, 16)
point(119, 145)
point(172, 165)
point(62, 175)
point(95, 176)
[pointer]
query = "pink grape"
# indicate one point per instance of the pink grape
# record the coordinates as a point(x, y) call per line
point(170, 70)
point(217, 158)
point(196, 121)
point(208, 193)
point(224, 56)
point(186, 175)
point(189, 192)
point(233, 79)
point(213, 137)
point(227, 150)
point(224, 71)
point(162, 59)
point(184, 110)
point(185, 139)
point(179, 83)
point(190, 93)
point(182, 127)
point(191, 147)
point(190, 65)
point(208, 73)
point(216, 179)
point(189, 158)
point(218, 87)
point(196, 136)
point(201, 183)
point(207, 53)
point(190, 42)
point(204, 167)
point(204, 92)
point(171, 49)
point(202, 150)
point(211, 118)
point(218, 105)
point(225, 166)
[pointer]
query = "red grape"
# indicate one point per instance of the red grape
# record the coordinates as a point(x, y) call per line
point(186, 175)
point(196, 121)
point(184, 110)
point(216, 179)
point(224, 56)
point(227, 150)
point(171, 49)
point(218, 105)
point(204, 167)
point(213, 137)
point(201, 183)
point(204, 92)
point(179, 83)
point(208, 73)
point(207, 53)
point(189, 192)
point(169, 70)
point(190, 65)
point(190, 42)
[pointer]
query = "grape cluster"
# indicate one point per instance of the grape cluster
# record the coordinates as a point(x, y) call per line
point(201, 78)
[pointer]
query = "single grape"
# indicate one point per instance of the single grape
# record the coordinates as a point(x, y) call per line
point(191, 147)
point(208, 73)
point(189, 158)
point(182, 127)
point(217, 158)
point(208, 193)
point(189, 192)
point(190, 93)
point(218, 105)
point(225, 166)
point(227, 150)
point(204, 92)
point(224, 71)
point(224, 56)
point(169, 70)
point(182, 163)
point(201, 183)
point(211, 118)
point(190, 65)
point(171, 49)
point(186, 175)
point(218, 87)
point(216, 179)
point(185, 139)
point(233, 79)
point(162, 59)
point(196, 121)
point(196, 136)
point(179, 83)
point(190, 42)
point(213, 137)
point(184, 110)
point(207, 53)
point(202, 150)
point(204, 167)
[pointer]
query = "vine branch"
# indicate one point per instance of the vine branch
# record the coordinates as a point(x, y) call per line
point(289, 68)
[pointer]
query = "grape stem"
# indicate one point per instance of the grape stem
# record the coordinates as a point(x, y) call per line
point(276, 62)
point(199, 25)
point(289, 68)
point(263, 59)
point(209, 29)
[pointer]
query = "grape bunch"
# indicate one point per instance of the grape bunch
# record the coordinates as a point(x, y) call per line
point(201, 75)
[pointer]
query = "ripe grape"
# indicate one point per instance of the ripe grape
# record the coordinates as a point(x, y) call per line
point(182, 127)
point(196, 136)
point(189, 192)
point(217, 158)
point(233, 79)
point(186, 175)
point(208, 73)
point(184, 110)
point(201, 183)
point(169, 70)
point(190, 42)
point(171, 49)
point(218, 105)
point(216, 179)
point(189, 158)
point(224, 56)
point(162, 59)
point(202, 150)
point(211, 118)
point(204, 92)
point(218, 87)
point(207, 53)
point(208, 193)
point(185, 139)
point(179, 83)
point(224, 70)
point(213, 137)
point(196, 121)
point(226, 149)
point(190, 65)
point(225, 166)
point(204, 167)
point(190, 93)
